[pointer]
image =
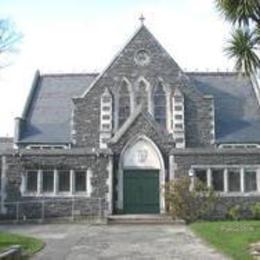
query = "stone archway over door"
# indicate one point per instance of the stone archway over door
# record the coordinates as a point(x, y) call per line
point(141, 177)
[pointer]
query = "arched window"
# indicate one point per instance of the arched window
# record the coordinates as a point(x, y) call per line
point(123, 104)
point(141, 94)
point(159, 105)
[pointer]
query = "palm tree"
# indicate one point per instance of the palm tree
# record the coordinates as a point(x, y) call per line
point(245, 39)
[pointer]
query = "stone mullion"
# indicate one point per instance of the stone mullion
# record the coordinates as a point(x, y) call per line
point(258, 180)
point(3, 183)
point(225, 180)
point(72, 182)
point(209, 178)
point(242, 179)
point(24, 183)
point(88, 182)
point(56, 182)
point(39, 182)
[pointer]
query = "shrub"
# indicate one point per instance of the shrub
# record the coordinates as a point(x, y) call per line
point(234, 213)
point(255, 210)
point(186, 203)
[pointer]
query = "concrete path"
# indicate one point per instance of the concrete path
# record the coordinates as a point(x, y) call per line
point(81, 242)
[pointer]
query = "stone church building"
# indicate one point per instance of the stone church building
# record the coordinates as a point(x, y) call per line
point(120, 135)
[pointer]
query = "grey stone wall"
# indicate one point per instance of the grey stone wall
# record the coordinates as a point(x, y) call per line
point(19, 163)
point(184, 160)
point(223, 204)
point(161, 68)
point(142, 126)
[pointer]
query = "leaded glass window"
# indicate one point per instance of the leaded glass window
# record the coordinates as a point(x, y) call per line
point(201, 175)
point(218, 179)
point(80, 181)
point(250, 180)
point(141, 94)
point(64, 181)
point(32, 179)
point(123, 104)
point(159, 104)
point(234, 180)
point(48, 181)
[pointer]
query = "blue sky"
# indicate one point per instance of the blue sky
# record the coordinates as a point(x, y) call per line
point(84, 35)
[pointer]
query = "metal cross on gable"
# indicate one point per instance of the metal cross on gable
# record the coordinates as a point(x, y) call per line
point(142, 19)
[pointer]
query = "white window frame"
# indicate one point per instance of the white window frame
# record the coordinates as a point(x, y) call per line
point(46, 147)
point(239, 146)
point(241, 168)
point(56, 193)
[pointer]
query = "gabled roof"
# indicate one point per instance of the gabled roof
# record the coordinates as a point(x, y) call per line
point(237, 111)
point(147, 116)
point(142, 32)
point(49, 107)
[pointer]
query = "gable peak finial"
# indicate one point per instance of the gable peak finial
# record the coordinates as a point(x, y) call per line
point(142, 19)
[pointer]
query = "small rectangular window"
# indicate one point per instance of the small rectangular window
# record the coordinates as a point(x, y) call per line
point(201, 175)
point(106, 108)
point(180, 126)
point(46, 147)
point(178, 117)
point(234, 180)
point(58, 147)
point(105, 140)
point(80, 181)
point(178, 99)
point(251, 146)
point(106, 99)
point(178, 108)
point(250, 180)
point(32, 177)
point(106, 117)
point(105, 126)
point(218, 179)
point(64, 181)
point(47, 181)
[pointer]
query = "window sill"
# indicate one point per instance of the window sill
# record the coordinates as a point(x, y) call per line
point(239, 194)
point(58, 195)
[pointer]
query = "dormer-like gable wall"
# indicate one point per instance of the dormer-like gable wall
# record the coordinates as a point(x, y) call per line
point(142, 60)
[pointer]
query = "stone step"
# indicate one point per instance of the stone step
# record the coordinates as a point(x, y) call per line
point(142, 219)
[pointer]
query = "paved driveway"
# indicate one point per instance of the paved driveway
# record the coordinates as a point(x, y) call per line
point(81, 242)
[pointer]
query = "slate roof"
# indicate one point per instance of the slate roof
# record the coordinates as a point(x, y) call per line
point(49, 107)
point(237, 112)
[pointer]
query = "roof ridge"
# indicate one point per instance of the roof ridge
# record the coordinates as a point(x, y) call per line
point(69, 74)
point(229, 73)
point(114, 59)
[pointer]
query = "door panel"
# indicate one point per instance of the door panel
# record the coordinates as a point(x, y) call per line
point(141, 191)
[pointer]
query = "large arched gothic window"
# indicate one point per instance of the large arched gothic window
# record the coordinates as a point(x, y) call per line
point(159, 105)
point(123, 104)
point(141, 94)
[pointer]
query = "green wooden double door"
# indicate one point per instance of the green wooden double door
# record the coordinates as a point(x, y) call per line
point(141, 191)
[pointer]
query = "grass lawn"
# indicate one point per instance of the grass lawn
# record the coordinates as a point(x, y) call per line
point(230, 237)
point(29, 245)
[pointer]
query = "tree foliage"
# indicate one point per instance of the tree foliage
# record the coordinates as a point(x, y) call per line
point(187, 202)
point(9, 38)
point(245, 39)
